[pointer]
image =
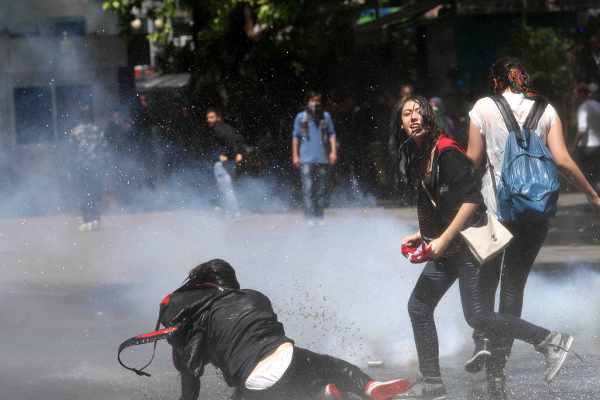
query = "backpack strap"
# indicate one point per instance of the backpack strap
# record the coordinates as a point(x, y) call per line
point(507, 115)
point(535, 113)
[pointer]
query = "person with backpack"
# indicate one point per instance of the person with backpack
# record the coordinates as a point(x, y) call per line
point(314, 148)
point(516, 136)
point(210, 320)
point(448, 201)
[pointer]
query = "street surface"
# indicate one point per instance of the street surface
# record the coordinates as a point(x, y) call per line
point(67, 299)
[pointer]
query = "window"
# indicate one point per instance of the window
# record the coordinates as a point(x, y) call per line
point(33, 114)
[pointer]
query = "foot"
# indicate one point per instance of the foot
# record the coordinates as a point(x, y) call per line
point(95, 225)
point(85, 227)
point(555, 348)
point(480, 356)
point(425, 389)
point(332, 393)
point(496, 387)
point(386, 390)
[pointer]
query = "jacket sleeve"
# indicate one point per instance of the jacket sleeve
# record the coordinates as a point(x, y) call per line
point(190, 384)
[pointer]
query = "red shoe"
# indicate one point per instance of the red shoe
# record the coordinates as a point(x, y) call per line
point(386, 390)
point(332, 392)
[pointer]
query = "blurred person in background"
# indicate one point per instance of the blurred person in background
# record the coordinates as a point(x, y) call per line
point(443, 121)
point(314, 149)
point(587, 141)
point(89, 149)
point(227, 149)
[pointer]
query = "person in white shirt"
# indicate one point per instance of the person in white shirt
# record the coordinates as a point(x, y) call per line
point(487, 138)
point(588, 134)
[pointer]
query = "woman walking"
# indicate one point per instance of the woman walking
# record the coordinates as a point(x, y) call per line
point(488, 135)
point(449, 200)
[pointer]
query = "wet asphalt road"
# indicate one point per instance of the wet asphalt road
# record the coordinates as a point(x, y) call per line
point(68, 299)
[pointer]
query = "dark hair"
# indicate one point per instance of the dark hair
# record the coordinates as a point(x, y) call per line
point(214, 110)
point(312, 93)
point(216, 271)
point(416, 159)
point(509, 72)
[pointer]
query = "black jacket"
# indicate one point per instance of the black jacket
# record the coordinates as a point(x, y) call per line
point(233, 330)
point(225, 140)
point(454, 183)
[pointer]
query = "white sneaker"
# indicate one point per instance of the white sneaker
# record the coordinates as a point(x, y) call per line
point(85, 227)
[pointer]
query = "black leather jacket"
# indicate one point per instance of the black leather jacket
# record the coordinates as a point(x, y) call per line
point(231, 329)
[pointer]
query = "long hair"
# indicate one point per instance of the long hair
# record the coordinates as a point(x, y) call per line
point(509, 72)
point(418, 159)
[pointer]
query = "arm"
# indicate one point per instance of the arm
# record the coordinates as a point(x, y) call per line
point(332, 140)
point(476, 146)
point(465, 212)
point(295, 152)
point(190, 385)
point(333, 152)
point(296, 135)
point(562, 158)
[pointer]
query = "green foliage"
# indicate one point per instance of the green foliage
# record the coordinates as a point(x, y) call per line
point(547, 52)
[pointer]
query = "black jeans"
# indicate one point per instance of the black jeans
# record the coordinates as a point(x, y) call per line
point(529, 235)
point(307, 376)
point(475, 285)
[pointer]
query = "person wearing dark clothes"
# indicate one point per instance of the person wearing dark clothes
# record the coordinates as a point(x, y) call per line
point(237, 331)
point(449, 200)
point(227, 151)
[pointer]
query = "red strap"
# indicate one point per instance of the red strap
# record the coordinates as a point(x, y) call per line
point(446, 142)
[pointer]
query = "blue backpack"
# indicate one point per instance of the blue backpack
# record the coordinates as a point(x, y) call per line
point(529, 182)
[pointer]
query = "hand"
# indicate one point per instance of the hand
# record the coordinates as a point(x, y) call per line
point(412, 240)
point(438, 247)
point(222, 157)
point(296, 161)
point(238, 158)
point(332, 158)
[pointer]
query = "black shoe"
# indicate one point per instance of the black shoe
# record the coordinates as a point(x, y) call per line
point(496, 388)
point(481, 354)
point(425, 389)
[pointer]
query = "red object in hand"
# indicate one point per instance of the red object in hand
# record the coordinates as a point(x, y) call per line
point(417, 254)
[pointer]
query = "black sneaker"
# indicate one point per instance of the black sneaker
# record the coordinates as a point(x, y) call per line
point(496, 387)
point(425, 389)
point(481, 354)
point(555, 348)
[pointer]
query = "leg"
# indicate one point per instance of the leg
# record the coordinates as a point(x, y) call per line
point(322, 181)
point(309, 374)
point(434, 282)
point(494, 325)
point(225, 185)
point(529, 235)
point(307, 189)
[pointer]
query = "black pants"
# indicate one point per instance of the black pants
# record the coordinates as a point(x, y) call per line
point(90, 181)
point(307, 376)
point(529, 235)
point(475, 285)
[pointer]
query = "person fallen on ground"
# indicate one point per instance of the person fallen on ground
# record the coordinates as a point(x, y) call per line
point(237, 331)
